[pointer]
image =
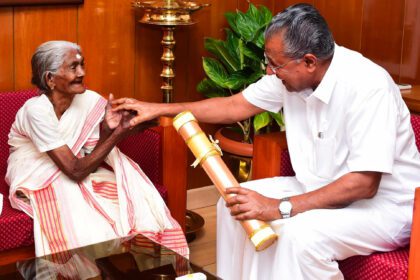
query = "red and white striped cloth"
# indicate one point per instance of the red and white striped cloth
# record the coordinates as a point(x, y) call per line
point(104, 206)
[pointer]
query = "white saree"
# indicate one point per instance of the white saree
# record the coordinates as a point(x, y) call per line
point(103, 206)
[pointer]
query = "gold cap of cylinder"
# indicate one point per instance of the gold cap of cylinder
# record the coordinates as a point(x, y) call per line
point(263, 238)
point(182, 118)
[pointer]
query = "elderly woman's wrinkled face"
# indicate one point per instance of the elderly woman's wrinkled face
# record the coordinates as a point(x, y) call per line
point(69, 78)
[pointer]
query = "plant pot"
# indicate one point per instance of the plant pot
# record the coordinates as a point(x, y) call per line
point(236, 154)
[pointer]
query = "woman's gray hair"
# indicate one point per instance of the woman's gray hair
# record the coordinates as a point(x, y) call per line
point(304, 31)
point(48, 58)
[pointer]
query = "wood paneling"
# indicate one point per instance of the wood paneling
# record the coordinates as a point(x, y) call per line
point(106, 32)
point(267, 155)
point(410, 64)
point(382, 32)
point(35, 25)
point(344, 19)
point(6, 49)
point(37, 2)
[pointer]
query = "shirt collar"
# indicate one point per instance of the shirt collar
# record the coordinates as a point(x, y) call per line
point(325, 89)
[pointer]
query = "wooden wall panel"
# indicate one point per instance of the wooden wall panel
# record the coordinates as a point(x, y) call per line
point(6, 49)
point(410, 64)
point(106, 31)
point(382, 32)
point(35, 25)
point(344, 19)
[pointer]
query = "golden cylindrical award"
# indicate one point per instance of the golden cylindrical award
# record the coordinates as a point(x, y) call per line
point(208, 156)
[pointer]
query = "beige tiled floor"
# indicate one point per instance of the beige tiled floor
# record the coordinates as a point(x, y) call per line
point(203, 249)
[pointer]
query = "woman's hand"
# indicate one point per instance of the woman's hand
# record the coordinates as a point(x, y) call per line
point(124, 127)
point(248, 204)
point(112, 118)
point(144, 111)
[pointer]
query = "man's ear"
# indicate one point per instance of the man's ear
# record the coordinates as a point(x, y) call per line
point(310, 61)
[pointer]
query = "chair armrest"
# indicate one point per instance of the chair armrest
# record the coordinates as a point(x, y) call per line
point(267, 155)
point(414, 258)
point(174, 170)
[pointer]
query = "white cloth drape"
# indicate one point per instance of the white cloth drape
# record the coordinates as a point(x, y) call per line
point(309, 243)
point(105, 205)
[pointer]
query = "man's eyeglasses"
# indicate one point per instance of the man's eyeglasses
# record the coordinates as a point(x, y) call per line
point(275, 68)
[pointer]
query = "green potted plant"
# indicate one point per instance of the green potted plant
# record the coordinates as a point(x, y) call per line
point(239, 61)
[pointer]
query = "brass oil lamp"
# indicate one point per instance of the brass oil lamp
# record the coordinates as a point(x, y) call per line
point(168, 14)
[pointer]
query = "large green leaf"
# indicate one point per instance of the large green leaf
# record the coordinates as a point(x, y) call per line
point(231, 19)
point(241, 79)
point(246, 26)
point(218, 48)
point(237, 81)
point(253, 13)
point(278, 117)
point(211, 89)
point(265, 15)
point(261, 120)
point(250, 53)
point(215, 71)
point(232, 45)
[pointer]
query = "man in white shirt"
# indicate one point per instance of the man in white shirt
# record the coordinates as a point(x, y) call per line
point(351, 145)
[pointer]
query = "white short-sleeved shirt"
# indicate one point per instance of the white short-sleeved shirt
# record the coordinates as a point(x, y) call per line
point(355, 120)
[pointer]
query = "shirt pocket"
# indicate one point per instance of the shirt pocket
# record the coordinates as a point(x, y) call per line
point(324, 157)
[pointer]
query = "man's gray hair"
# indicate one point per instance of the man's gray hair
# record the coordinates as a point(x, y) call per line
point(48, 58)
point(304, 31)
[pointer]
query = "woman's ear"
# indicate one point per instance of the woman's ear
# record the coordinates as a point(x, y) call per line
point(50, 80)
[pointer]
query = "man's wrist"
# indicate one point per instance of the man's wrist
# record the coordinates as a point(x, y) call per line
point(285, 208)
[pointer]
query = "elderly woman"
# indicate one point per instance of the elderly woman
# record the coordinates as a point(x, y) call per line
point(59, 141)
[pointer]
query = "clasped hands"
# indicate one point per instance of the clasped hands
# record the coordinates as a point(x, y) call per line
point(119, 115)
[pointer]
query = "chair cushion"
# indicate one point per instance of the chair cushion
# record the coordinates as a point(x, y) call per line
point(415, 122)
point(10, 103)
point(379, 266)
point(286, 168)
point(16, 228)
point(145, 148)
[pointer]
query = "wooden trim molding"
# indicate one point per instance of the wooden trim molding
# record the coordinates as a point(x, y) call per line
point(37, 2)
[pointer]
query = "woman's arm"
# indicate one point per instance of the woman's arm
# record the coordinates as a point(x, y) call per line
point(114, 128)
point(79, 168)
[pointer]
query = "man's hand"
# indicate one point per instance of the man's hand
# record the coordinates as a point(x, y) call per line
point(144, 111)
point(248, 204)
